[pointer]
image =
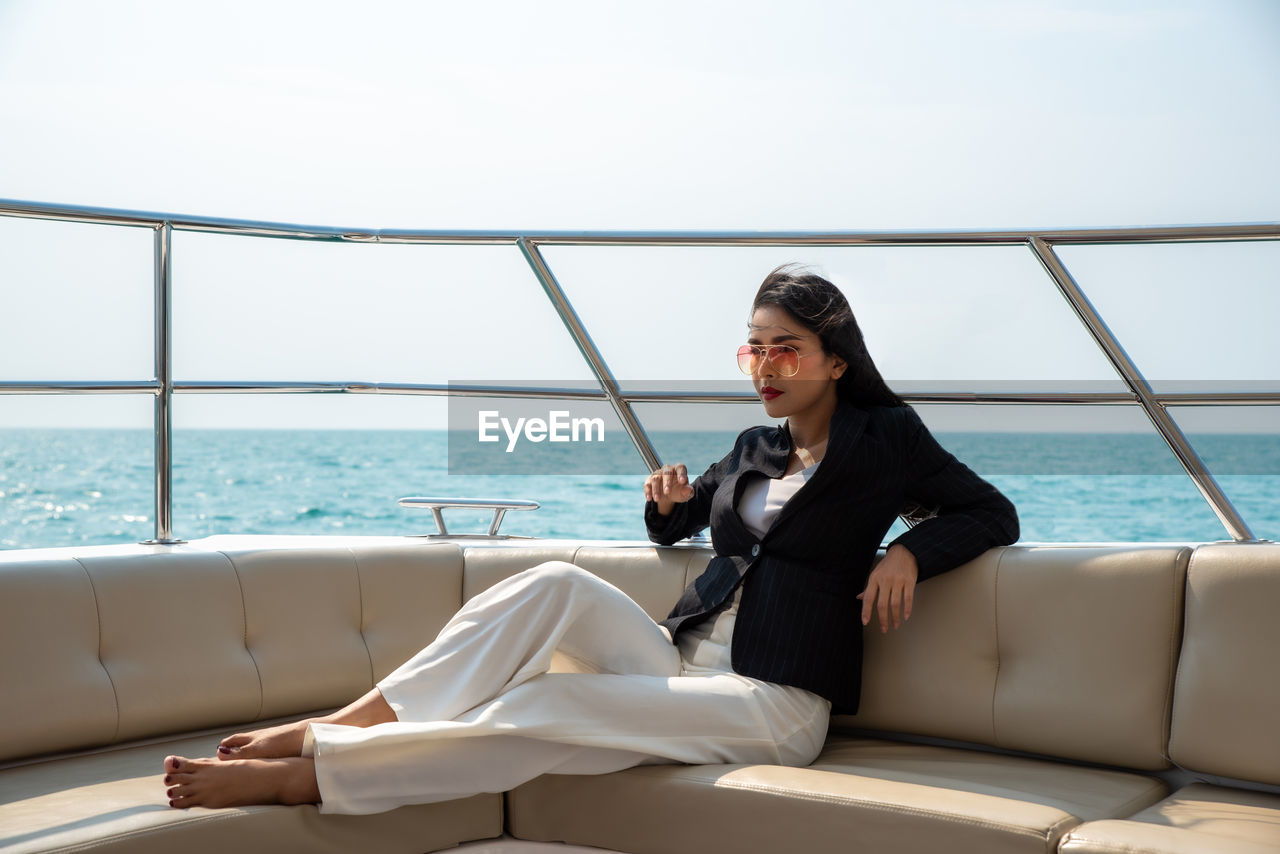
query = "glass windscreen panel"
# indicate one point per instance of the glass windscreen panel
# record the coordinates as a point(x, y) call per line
point(1078, 473)
point(75, 470)
point(1240, 445)
point(77, 301)
point(1192, 316)
point(954, 318)
point(345, 461)
point(287, 310)
point(699, 434)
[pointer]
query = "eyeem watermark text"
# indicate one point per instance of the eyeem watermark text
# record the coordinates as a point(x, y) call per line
point(556, 427)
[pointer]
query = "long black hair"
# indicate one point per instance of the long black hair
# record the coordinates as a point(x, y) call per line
point(823, 310)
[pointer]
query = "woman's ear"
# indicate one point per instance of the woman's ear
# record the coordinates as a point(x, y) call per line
point(838, 369)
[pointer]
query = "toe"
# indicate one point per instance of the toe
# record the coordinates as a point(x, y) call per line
point(179, 764)
point(180, 790)
point(232, 744)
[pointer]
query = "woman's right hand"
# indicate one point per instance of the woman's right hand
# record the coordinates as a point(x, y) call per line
point(668, 486)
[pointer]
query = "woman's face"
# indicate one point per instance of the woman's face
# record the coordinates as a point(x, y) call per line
point(813, 383)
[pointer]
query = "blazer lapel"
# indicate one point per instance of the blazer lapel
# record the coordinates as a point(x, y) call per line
point(768, 457)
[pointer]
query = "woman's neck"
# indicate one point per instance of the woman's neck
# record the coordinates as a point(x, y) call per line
point(810, 428)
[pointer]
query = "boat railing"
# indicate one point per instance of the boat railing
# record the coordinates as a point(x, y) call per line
point(1041, 242)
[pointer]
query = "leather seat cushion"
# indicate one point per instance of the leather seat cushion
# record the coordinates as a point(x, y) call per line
point(860, 795)
point(1193, 820)
point(115, 802)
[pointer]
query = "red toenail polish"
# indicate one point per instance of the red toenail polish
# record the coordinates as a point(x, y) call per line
point(222, 748)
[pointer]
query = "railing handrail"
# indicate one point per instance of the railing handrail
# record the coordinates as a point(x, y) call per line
point(1040, 241)
point(1191, 233)
point(939, 396)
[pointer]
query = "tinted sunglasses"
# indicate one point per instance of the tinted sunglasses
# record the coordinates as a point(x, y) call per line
point(784, 358)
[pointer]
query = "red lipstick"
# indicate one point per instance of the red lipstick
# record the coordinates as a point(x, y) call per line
point(769, 392)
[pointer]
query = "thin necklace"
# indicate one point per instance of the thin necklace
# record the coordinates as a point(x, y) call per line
point(805, 457)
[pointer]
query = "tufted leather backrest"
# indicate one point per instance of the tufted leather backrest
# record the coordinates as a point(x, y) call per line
point(97, 650)
point(1063, 651)
point(1226, 703)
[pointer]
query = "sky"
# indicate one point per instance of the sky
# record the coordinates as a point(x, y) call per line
point(605, 115)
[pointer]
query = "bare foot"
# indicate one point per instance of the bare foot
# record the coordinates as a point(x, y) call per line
point(237, 783)
point(278, 742)
point(275, 742)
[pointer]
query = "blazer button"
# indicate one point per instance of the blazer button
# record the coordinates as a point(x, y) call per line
point(755, 550)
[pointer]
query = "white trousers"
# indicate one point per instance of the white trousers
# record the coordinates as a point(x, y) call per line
point(479, 712)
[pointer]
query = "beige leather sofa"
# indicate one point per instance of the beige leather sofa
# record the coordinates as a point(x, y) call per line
point(1040, 699)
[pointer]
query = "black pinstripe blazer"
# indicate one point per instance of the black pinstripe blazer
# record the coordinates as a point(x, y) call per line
point(799, 622)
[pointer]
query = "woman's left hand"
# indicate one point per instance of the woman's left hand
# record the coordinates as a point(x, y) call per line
point(891, 588)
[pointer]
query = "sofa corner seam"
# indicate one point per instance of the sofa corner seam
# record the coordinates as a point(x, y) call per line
point(355, 560)
point(995, 628)
point(97, 615)
point(244, 634)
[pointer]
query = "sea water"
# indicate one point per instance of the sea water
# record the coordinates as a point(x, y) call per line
point(69, 487)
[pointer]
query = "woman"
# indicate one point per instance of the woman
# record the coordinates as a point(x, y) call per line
point(751, 660)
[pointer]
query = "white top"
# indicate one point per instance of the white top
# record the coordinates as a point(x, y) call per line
point(706, 647)
point(764, 497)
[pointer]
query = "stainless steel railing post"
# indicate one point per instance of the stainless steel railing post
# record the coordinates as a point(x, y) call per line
point(590, 352)
point(164, 389)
